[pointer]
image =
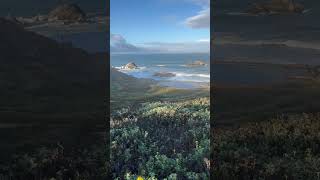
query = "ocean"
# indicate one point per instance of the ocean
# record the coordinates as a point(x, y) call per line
point(270, 48)
point(149, 64)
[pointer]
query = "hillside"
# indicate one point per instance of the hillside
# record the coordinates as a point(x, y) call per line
point(286, 147)
point(49, 92)
point(35, 68)
point(161, 140)
point(166, 128)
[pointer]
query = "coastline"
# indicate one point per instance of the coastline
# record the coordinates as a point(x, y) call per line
point(167, 70)
point(169, 83)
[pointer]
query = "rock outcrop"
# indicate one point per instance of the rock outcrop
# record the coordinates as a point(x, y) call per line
point(131, 65)
point(164, 74)
point(67, 12)
point(197, 63)
point(276, 7)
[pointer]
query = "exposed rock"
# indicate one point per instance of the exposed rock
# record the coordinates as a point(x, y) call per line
point(197, 63)
point(131, 65)
point(276, 7)
point(164, 74)
point(67, 12)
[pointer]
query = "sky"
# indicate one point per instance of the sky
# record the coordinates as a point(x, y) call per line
point(165, 26)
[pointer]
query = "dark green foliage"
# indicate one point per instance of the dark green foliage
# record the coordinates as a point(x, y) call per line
point(283, 148)
point(162, 140)
point(55, 164)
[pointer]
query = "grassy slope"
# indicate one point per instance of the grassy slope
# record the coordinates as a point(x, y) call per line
point(256, 134)
point(127, 90)
point(281, 148)
point(167, 128)
point(162, 140)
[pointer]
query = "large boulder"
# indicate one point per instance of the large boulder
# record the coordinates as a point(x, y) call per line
point(197, 63)
point(131, 65)
point(276, 7)
point(67, 12)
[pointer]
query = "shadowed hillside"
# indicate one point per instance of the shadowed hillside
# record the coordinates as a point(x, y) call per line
point(45, 69)
point(50, 92)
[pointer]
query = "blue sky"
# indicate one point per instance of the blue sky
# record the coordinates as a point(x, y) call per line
point(159, 25)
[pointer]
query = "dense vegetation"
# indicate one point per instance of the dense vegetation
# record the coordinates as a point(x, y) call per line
point(161, 140)
point(286, 147)
point(57, 164)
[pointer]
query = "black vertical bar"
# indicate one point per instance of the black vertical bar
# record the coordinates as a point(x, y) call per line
point(107, 139)
point(211, 89)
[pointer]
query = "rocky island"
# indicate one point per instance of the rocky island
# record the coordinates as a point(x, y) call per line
point(276, 7)
point(63, 18)
point(67, 12)
point(196, 63)
point(130, 65)
point(164, 74)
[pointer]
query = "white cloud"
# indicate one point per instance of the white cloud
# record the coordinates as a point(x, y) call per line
point(119, 44)
point(204, 40)
point(197, 2)
point(117, 39)
point(201, 20)
point(205, 3)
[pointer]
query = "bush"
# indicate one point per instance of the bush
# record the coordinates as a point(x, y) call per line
point(282, 148)
point(55, 164)
point(161, 140)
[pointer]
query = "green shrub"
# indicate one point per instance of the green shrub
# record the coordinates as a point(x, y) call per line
point(54, 163)
point(283, 148)
point(162, 140)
